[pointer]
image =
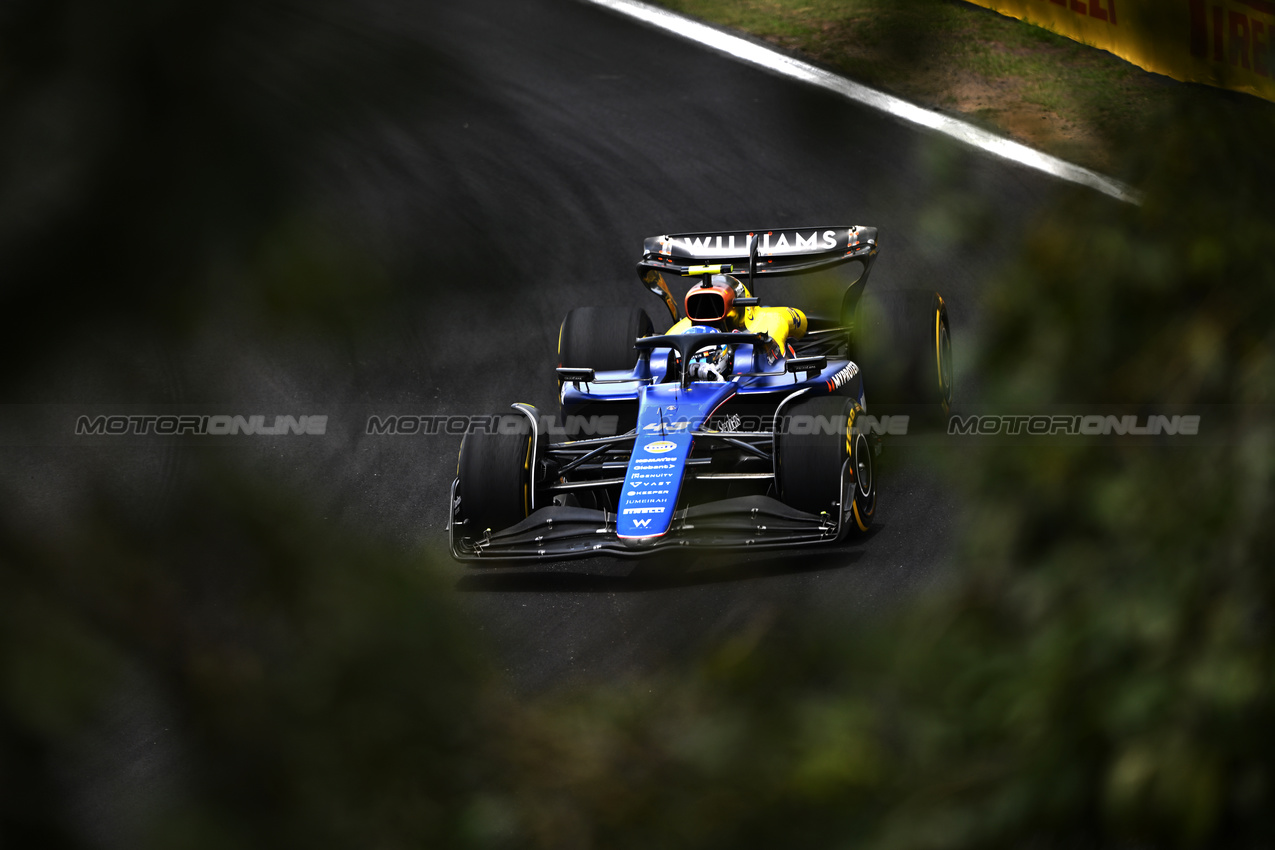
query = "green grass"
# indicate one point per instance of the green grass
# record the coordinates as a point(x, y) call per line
point(1069, 99)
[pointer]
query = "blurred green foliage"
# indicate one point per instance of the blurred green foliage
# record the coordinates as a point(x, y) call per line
point(212, 665)
point(315, 690)
point(1096, 672)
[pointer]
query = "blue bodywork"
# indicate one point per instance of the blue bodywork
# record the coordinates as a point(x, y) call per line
point(670, 411)
point(666, 416)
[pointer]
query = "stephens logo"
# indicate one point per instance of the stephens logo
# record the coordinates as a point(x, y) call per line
point(659, 447)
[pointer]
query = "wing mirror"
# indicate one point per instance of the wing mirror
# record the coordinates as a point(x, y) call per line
point(575, 376)
point(804, 364)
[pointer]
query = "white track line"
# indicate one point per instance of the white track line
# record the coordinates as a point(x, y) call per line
point(771, 60)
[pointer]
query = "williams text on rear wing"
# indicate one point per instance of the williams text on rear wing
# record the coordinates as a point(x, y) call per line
point(756, 253)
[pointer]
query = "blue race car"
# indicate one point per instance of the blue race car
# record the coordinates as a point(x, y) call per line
point(741, 426)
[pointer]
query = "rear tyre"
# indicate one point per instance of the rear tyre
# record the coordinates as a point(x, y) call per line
point(903, 342)
point(495, 477)
point(601, 338)
point(813, 441)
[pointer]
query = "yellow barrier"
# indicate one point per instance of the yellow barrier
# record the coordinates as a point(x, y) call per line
point(1225, 43)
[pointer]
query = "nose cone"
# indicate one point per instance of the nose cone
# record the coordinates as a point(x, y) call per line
point(639, 543)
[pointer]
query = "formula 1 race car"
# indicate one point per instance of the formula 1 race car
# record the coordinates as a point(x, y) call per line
point(741, 426)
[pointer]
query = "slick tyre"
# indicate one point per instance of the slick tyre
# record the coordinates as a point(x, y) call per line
point(494, 474)
point(601, 338)
point(903, 342)
point(814, 439)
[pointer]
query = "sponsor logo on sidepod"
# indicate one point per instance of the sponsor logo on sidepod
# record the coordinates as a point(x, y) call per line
point(659, 447)
point(843, 376)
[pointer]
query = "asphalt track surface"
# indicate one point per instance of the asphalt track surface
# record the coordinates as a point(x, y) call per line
point(559, 135)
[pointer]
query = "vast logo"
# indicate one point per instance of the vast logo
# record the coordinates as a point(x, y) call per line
point(659, 447)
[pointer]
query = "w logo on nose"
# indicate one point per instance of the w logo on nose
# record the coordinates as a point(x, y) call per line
point(641, 523)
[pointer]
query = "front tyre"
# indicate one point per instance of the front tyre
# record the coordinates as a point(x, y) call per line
point(815, 440)
point(494, 475)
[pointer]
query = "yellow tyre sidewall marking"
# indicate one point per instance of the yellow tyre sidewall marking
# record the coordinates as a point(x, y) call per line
point(526, 482)
point(938, 348)
point(938, 352)
point(850, 433)
point(854, 502)
point(858, 520)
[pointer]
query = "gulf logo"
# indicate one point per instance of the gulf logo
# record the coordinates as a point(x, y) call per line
point(659, 447)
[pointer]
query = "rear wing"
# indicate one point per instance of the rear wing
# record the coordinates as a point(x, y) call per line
point(756, 253)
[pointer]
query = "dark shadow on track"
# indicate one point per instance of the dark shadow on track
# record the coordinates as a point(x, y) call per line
point(662, 572)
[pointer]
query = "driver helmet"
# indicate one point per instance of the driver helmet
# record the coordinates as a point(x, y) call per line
point(712, 364)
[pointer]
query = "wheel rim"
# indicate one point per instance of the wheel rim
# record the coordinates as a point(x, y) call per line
point(863, 465)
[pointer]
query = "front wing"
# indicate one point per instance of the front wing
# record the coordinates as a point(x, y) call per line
point(558, 532)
